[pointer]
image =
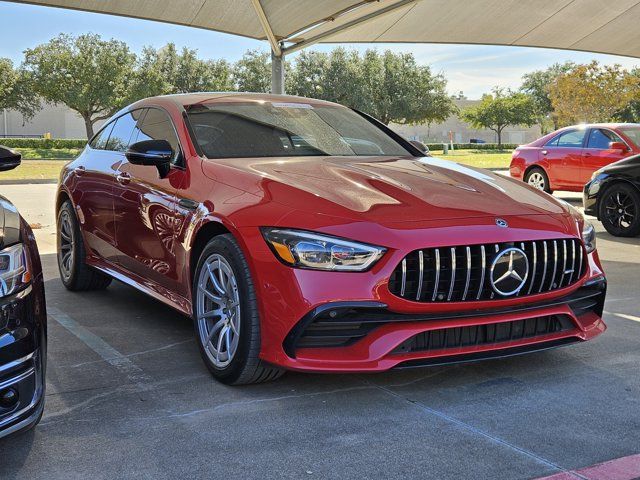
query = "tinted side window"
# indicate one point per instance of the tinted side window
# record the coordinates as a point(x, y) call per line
point(99, 142)
point(599, 138)
point(553, 142)
point(572, 139)
point(121, 133)
point(157, 126)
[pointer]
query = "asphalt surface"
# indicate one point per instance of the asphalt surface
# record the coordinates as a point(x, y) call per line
point(128, 397)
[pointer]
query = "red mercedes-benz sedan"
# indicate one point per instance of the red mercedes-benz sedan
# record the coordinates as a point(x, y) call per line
point(566, 158)
point(300, 234)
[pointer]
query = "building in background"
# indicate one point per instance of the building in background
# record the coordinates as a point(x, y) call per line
point(62, 122)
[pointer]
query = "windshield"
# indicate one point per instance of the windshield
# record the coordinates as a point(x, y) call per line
point(281, 129)
point(633, 133)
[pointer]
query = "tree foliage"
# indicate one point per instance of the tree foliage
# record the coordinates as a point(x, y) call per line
point(86, 73)
point(252, 73)
point(537, 84)
point(501, 109)
point(15, 91)
point(593, 93)
point(392, 87)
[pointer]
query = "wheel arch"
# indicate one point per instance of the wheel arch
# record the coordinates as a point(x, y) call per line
point(61, 197)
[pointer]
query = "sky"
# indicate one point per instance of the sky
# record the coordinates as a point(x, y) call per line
point(472, 69)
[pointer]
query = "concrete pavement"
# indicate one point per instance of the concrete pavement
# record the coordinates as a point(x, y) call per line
point(128, 397)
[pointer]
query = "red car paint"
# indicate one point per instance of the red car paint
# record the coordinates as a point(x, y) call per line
point(570, 167)
point(136, 230)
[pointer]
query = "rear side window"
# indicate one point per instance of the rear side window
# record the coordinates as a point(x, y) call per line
point(601, 138)
point(123, 131)
point(99, 142)
point(572, 139)
point(157, 125)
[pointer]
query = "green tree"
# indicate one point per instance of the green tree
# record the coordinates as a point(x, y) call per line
point(389, 86)
point(252, 73)
point(499, 110)
point(537, 85)
point(86, 73)
point(593, 93)
point(184, 72)
point(306, 77)
point(15, 92)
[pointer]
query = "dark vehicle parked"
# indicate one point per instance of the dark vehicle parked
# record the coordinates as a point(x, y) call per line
point(613, 195)
point(23, 318)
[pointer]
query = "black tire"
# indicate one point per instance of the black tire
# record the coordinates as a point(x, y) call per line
point(617, 197)
point(546, 187)
point(245, 367)
point(78, 276)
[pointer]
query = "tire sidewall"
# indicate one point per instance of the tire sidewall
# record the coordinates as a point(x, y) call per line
point(547, 187)
point(225, 246)
point(68, 208)
point(634, 229)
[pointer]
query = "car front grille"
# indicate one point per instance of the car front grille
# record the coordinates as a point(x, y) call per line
point(487, 334)
point(463, 273)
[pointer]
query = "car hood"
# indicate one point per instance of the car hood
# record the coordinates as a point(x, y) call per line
point(9, 223)
point(386, 189)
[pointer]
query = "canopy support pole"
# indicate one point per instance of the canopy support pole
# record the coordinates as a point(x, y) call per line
point(277, 73)
point(277, 56)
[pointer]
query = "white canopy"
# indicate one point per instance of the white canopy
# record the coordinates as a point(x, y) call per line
point(289, 25)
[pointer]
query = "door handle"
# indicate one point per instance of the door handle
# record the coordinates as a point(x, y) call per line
point(544, 152)
point(79, 170)
point(123, 178)
point(587, 154)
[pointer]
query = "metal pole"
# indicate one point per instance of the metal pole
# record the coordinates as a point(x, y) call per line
point(277, 73)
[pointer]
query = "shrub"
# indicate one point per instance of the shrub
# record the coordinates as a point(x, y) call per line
point(42, 143)
point(474, 146)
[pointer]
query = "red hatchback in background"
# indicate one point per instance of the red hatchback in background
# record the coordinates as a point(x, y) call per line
point(566, 158)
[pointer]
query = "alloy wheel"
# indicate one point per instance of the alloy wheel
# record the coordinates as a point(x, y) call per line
point(536, 180)
point(620, 210)
point(218, 310)
point(66, 244)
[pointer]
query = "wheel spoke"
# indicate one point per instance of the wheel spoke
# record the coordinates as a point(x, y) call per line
point(213, 331)
point(211, 296)
point(227, 341)
point(218, 286)
point(220, 340)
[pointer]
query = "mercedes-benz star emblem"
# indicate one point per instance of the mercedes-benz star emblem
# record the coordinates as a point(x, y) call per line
point(501, 222)
point(509, 271)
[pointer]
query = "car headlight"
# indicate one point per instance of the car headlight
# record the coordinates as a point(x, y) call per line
point(302, 249)
point(595, 174)
point(14, 270)
point(588, 230)
point(589, 236)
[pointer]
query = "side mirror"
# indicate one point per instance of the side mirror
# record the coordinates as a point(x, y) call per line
point(158, 153)
point(420, 146)
point(618, 146)
point(9, 159)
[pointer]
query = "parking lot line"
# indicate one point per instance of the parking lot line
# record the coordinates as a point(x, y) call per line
point(624, 468)
point(472, 429)
point(109, 354)
point(626, 316)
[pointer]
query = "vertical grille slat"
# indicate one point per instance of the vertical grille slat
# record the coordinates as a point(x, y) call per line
point(453, 273)
point(436, 284)
point(462, 273)
point(421, 274)
point(484, 265)
point(466, 284)
point(535, 265)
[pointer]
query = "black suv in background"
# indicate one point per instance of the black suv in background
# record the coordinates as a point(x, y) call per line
point(23, 318)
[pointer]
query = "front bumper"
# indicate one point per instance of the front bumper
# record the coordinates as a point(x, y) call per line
point(292, 299)
point(22, 358)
